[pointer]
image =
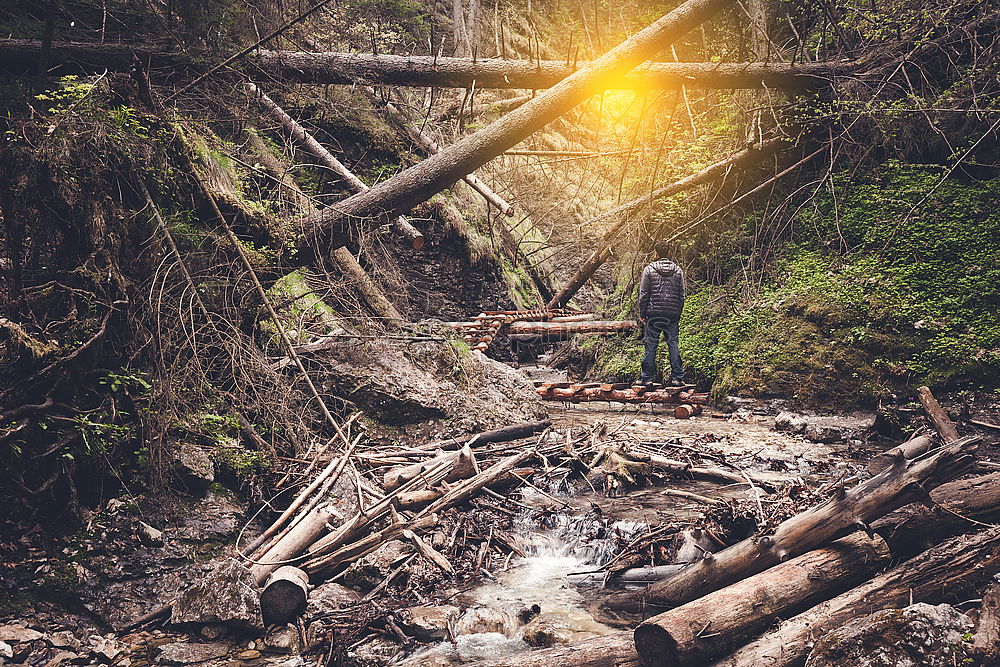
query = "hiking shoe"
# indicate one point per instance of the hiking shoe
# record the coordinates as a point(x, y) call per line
point(677, 383)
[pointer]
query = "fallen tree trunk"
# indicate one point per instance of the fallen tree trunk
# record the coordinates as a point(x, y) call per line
point(747, 157)
point(708, 627)
point(341, 257)
point(284, 595)
point(987, 641)
point(443, 72)
point(326, 158)
point(462, 464)
point(21, 57)
point(504, 434)
point(910, 449)
point(952, 571)
point(430, 147)
point(420, 182)
point(876, 497)
point(942, 423)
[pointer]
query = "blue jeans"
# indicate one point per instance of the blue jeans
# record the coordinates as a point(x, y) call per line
point(651, 338)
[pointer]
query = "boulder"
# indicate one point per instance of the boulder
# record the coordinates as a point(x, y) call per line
point(16, 634)
point(186, 653)
point(329, 597)
point(789, 422)
point(148, 536)
point(921, 634)
point(227, 596)
point(481, 620)
point(544, 631)
point(193, 467)
point(824, 433)
point(428, 624)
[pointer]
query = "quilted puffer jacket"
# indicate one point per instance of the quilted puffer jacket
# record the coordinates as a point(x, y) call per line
point(661, 290)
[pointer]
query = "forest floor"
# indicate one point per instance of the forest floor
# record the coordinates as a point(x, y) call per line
point(533, 592)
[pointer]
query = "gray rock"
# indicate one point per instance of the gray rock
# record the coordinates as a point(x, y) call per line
point(329, 597)
point(185, 653)
point(15, 634)
point(213, 631)
point(227, 596)
point(823, 433)
point(921, 634)
point(368, 572)
point(283, 639)
point(544, 631)
point(193, 467)
point(480, 620)
point(378, 652)
point(107, 649)
point(428, 623)
point(148, 536)
point(6, 652)
point(789, 422)
point(65, 639)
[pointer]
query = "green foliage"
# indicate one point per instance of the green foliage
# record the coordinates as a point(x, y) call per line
point(873, 291)
point(126, 382)
point(242, 462)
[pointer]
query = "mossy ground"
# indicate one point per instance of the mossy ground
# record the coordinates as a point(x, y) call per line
point(860, 300)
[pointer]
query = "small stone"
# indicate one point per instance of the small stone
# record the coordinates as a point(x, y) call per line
point(16, 634)
point(60, 657)
point(193, 467)
point(108, 648)
point(6, 652)
point(65, 639)
point(428, 623)
point(185, 653)
point(227, 596)
point(249, 654)
point(213, 631)
point(149, 536)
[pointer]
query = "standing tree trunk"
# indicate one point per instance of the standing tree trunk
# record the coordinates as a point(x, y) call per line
point(420, 182)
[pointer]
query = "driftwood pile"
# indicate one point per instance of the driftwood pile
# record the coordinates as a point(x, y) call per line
point(912, 532)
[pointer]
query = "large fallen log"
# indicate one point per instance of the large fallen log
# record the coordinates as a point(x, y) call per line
point(710, 626)
point(910, 449)
point(443, 72)
point(953, 571)
point(462, 464)
point(302, 137)
point(341, 257)
point(420, 182)
point(21, 57)
point(747, 157)
point(844, 512)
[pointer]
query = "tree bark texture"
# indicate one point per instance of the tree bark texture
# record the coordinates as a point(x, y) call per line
point(749, 156)
point(942, 423)
point(326, 158)
point(428, 71)
point(874, 498)
point(420, 182)
point(22, 56)
point(951, 572)
point(710, 626)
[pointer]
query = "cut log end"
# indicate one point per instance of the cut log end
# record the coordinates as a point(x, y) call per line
point(284, 595)
point(656, 646)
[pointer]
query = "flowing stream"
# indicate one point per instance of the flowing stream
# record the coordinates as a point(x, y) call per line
point(533, 599)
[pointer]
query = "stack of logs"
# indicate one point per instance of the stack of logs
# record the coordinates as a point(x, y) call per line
point(910, 533)
point(533, 326)
point(689, 402)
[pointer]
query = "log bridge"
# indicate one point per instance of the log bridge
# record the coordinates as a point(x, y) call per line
point(623, 393)
point(538, 325)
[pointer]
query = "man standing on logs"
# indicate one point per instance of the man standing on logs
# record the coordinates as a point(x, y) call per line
point(661, 300)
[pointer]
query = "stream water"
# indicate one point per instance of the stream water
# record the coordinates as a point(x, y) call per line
point(533, 600)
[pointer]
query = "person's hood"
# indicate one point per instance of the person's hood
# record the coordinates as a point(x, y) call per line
point(665, 267)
